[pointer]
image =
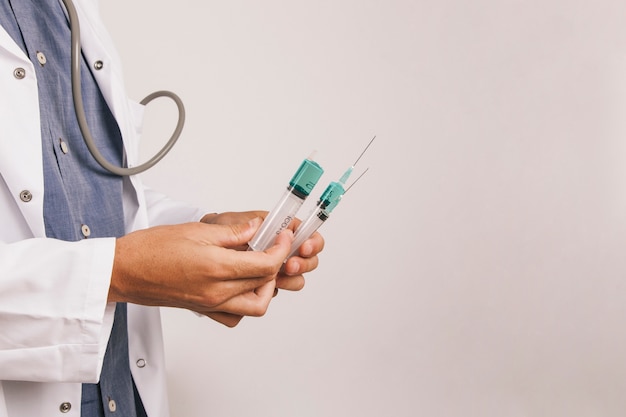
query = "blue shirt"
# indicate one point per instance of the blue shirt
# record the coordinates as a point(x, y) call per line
point(81, 199)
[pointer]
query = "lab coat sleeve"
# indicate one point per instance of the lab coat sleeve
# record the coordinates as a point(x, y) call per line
point(164, 210)
point(54, 317)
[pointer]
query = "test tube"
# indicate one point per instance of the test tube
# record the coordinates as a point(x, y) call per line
point(300, 186)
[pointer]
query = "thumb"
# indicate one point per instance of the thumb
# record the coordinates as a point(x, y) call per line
point(238, 234)
point(282, 245)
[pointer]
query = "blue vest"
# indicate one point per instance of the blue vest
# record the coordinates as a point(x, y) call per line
point(81, 199)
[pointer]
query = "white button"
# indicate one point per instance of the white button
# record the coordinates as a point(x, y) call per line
point(41, 58)
point(85, 230)
point(26, 196)
point(141, 363)
point(64, 148)
point(19, 73)
point(65, 407)
point(98, 65)
point(112, 406)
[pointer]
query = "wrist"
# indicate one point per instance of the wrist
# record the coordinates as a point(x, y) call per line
point(117, 273)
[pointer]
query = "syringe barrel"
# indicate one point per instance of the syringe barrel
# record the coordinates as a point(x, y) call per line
point(300, 186)
point(317, 218)
point(276, 221)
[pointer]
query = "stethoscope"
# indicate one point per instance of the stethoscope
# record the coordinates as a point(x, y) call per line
point(80, 109)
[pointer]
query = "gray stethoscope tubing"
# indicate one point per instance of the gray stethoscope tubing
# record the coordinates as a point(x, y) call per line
point(80, 110)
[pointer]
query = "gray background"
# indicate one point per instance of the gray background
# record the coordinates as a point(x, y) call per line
point(476, 270)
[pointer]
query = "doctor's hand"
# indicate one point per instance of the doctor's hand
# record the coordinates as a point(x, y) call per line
point(197, 266)
point(290, 276)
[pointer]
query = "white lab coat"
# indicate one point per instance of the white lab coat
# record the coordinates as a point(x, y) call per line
point(54, 318)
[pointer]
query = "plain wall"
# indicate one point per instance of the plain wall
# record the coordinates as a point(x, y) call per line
point(477, 269)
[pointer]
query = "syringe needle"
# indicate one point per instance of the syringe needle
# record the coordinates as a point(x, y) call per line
point(355, 181)
point(364, 150)
point(347, 174)
point(326, 204)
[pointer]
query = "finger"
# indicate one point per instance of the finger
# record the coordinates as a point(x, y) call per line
point(231, 217)
point(252, 303)
point(227, 319)
point(282, 245)
point(218, 295)
point(312, 246)
point(233, 235)
point(266, 292)
point(289, 283)
point(293, 225)
point(249, 265)
point(298, 266)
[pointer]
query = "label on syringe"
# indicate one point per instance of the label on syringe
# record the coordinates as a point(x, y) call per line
point(284, 224)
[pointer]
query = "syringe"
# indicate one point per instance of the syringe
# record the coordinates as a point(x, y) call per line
point(326, 204)
point(300, 186)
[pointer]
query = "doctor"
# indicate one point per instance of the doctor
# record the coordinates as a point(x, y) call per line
point(85, 256)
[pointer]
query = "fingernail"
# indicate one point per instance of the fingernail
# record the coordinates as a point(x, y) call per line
point(254, 222)
point(293, 268)
point(306, 249)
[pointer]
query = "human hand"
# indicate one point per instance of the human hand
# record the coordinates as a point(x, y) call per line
point(196, 266)
point(291, 275)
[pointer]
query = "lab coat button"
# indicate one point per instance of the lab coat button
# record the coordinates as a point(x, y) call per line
point(141, 363)
point(112, 406)
point(26, 196)
point(65, 407)
point(98, 65)
point(41, 58)
point(85, 230)
point(19, 73)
